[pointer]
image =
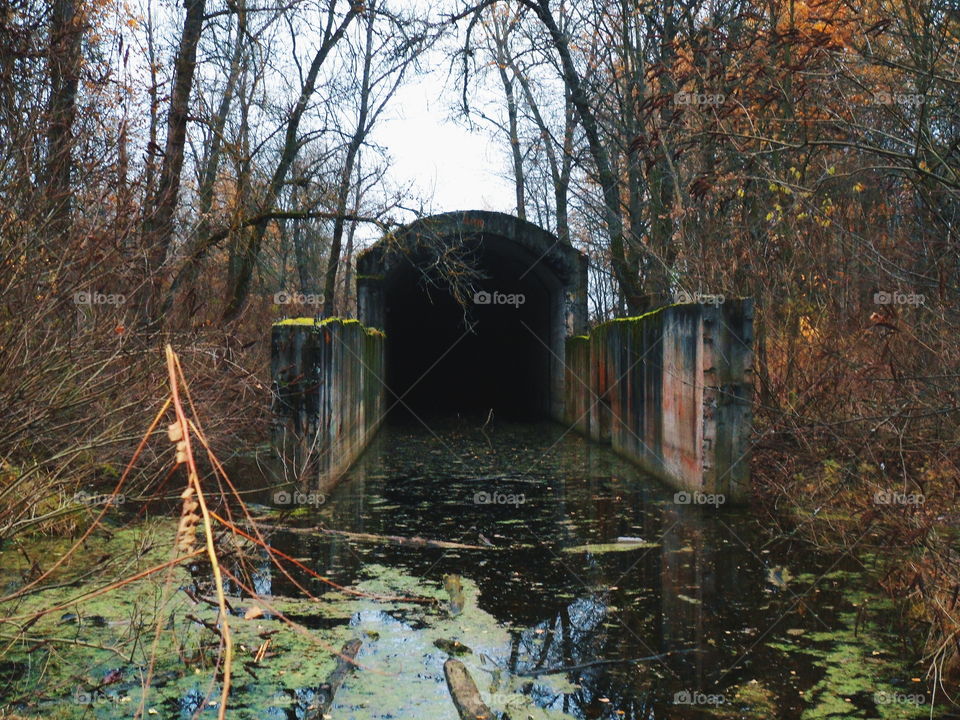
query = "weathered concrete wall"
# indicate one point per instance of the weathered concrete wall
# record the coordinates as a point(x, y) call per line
point(671, 390)
point(577, 397)
point(328, 395)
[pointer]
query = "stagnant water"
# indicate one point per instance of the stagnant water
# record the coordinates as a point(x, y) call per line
point(591, 591)
point(604, 595)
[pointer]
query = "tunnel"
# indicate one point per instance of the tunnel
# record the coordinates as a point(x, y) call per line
point(476, 307)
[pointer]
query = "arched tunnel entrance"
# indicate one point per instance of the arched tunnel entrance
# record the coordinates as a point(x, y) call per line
point(449, 358)
point(476, 307)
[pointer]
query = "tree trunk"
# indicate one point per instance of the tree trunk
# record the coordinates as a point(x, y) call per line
point(301, 252)
point(343, 191)
point(518, 180)
point(158, 228)
point(187, 274)
point(66, 34)
point(559, 168)
point(348, 256)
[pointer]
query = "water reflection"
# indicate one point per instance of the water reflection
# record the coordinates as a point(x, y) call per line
point(641, 603)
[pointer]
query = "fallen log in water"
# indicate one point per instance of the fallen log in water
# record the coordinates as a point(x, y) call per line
point(399, 540)
point(328, 689)
point(369, 537)
point(464, 693)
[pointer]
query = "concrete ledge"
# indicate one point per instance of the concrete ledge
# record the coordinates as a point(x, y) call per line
point(327, 395)
point(672, 391)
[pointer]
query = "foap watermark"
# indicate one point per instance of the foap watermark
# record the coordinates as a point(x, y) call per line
point(498, 498)
point(686, 697)
point(95, 697)
point(892, 497)
point(898, 298)
point(698, 297)
point(884, 697)
point(482, 297)
point(289, 298)
point(85, 297)
point(706, 99)
point(84, 498)
point(286, 497)
point(886, 98)
point(699, 498)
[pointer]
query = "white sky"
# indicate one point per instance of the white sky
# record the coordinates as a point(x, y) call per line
point(450, 167)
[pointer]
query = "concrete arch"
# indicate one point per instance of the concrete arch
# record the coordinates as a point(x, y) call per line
point(498, 352)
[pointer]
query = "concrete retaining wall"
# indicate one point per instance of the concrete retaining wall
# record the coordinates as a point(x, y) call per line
point(672, 391)
point(328, 395)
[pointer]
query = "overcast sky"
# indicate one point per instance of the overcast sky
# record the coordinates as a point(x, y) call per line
point(449, 166)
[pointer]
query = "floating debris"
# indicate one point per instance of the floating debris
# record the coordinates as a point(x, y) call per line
point(600, 548)
point(454, 587)
point(452, 647)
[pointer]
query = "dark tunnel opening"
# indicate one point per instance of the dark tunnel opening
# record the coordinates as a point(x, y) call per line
point(444, 359)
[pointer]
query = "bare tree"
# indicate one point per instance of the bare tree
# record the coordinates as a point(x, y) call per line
point(240, 286)
point(377, 86)
point(209, 165)
point(162, 201)
point(607, 178)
